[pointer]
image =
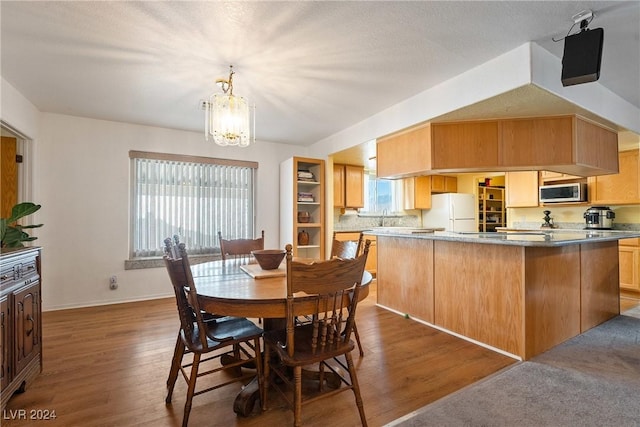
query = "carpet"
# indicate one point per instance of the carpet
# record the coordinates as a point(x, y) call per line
point(635, 312)
point(590, 380)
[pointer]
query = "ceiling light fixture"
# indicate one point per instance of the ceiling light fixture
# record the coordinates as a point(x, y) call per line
point(227, 117)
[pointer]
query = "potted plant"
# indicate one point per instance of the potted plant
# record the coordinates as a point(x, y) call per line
point(12, 234)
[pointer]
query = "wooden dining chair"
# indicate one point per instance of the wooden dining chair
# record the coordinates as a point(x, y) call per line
point(239, 248)
point(345, 248)
point(224, 344)
point(348, 249)
point(331, 285)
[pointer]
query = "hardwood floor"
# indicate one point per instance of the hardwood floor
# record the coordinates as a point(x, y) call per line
point(107, 366)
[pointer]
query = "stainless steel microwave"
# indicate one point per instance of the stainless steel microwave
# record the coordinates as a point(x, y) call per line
point(559, 193)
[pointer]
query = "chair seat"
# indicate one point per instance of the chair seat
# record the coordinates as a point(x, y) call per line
point(227, 330)
point(303, 353)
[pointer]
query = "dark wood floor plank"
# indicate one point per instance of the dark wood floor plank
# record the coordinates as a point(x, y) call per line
point(107, 366)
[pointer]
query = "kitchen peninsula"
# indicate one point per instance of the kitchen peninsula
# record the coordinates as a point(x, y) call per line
point(520, 293)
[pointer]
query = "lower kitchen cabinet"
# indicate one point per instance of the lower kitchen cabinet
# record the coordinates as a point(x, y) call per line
point(372, 257)
point(21, 320)
point(629, 252)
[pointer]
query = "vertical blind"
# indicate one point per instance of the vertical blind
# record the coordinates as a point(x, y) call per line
point(192, 197)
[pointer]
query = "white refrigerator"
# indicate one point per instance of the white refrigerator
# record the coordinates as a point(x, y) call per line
point(453, 211)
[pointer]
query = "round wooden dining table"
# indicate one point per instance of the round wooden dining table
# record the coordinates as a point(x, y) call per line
point(232, 288)
point(224, 287)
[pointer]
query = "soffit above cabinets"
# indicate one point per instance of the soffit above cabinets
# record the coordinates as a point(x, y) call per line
point(525, 101)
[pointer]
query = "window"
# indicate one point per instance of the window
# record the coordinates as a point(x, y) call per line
point(193, 197)
point(381, 195)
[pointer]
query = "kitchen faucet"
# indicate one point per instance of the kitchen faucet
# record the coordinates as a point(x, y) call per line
point(384, 214)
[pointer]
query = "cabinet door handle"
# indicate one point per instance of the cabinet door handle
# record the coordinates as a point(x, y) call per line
point(30, 319)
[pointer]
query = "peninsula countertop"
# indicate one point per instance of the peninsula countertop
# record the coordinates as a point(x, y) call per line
point(515, 238)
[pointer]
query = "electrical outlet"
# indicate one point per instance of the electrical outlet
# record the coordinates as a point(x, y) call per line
point(113, 282)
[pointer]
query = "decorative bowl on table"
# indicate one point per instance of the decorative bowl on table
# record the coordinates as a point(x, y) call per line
point(269, 259)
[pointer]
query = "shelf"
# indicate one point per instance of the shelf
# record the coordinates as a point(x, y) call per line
point(491, 210)
point(310, 187)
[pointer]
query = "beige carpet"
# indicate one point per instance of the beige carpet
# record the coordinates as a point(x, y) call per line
point(590, 380)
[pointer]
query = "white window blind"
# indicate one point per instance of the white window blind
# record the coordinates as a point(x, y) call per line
point(193, 197)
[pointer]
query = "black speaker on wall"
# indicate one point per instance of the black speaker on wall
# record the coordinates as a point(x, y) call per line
point(582, 57)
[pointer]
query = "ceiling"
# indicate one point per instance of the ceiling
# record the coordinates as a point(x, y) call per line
point(311, 68)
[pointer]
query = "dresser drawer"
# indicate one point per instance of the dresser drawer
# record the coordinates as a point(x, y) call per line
point(18, 269)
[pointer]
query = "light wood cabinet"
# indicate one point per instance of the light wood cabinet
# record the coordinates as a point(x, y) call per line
point(521, 189)
point(444, 184)
point(404, 154)
point(621, 188)
point(535, 142)
point(565, 144)
point(338, 186)
point(372, 258)
point(557, 177)
point(491, 213)
point(302, 189)
point(416, 192)
point(348, 186)
point(20, 320)
point(629, 252)
point(464, 145)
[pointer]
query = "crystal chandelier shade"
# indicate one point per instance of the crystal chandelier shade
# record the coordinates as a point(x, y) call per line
point(228, 120)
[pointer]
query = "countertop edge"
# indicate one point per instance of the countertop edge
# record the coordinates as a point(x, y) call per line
point(501, 238)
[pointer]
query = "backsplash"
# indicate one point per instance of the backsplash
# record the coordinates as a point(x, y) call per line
point(356, 222)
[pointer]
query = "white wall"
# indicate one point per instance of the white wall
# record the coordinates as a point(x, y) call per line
point(526, 64)
point(83, 185)
point(18, 111)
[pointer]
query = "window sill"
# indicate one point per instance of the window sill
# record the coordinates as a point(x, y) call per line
point(156, 262)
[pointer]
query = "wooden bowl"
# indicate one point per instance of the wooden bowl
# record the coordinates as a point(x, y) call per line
point(269, 259)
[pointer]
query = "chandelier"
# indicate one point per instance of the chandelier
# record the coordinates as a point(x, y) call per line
point(227, 119)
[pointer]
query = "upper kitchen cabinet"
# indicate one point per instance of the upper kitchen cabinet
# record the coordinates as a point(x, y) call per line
point(416, 192)
point(472, 146)
point(404, 154)
point(348, 186)
point(564, 144)
point(444, 184)
point(521, 189)
point(622, 188)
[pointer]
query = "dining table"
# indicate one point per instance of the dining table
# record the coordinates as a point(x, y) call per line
point(240, 288)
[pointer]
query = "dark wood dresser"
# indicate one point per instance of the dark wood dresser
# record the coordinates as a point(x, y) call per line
point(20, 320)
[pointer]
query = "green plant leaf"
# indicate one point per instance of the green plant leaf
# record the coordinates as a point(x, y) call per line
point(21, 210)
point(12, 236)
